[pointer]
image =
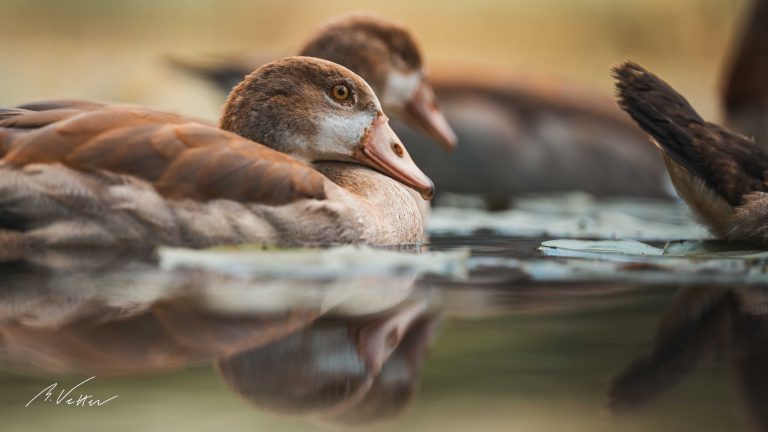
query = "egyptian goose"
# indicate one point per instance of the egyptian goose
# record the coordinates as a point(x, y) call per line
point(304, 155)
point(745, 90)
point(721, 175)
point(382, 52)
point(518, 136)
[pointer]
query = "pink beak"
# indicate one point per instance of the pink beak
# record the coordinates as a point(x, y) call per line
point(382, 150)
point(423, 112)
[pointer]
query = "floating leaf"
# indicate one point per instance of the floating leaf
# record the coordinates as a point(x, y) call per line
point(710, 249)
point(593, 249)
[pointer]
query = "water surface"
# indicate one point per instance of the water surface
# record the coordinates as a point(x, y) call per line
point(478, 330)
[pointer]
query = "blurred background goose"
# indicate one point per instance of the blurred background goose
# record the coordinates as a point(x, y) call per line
point(518, 136)
point(382, 52)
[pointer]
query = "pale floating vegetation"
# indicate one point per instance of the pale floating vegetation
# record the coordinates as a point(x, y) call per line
point(314, 263)
point(574, 215)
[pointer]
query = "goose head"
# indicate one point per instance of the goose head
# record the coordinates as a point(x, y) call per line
point(386, 55)
point(315, 111)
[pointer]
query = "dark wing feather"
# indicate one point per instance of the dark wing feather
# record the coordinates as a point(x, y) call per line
point(182, 159)
point(728, 163)
point(36, 119)
point(8, 113)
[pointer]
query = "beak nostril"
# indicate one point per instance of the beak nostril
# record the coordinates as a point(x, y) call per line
point(398, 149)
point(392, 338)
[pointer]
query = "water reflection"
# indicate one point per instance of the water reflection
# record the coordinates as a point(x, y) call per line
point(724, 324)
point(342, 372)
point(345, 344)
point(347, 350)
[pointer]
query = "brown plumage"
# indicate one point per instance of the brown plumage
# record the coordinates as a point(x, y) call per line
point(515, 136)
point(382, 52)
point(369, 45)
point(720, 174)
point(180, 158)
point(262, 95)
point(77, 173)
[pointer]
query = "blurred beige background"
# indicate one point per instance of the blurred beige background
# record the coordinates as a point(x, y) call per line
point(115, 50)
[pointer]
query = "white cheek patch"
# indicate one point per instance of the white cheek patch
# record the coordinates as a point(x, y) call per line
point(400, 88)
point(339, 134)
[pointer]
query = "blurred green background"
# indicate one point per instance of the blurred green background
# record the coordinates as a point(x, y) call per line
point(115, 50)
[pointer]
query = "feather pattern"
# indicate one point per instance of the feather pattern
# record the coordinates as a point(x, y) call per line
point(182, 159)
point(729, 164)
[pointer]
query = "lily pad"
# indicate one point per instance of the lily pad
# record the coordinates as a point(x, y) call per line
point(710, 262)
point(710, 249)
point(594, 249)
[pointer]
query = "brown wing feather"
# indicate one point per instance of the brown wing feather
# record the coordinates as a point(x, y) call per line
point(239, 170)
point(7, 135)
point(17, 121)
point(728, 163)
point(7, 113)
point(143, 151)
point(57, 140)
point(36, 119)
point(183, 159)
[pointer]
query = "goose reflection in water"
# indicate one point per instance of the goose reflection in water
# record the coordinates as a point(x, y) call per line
point(337, 372)
point(339, 357)
point(727, 324)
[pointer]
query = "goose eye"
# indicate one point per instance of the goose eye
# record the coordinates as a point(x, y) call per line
point(340, 92)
